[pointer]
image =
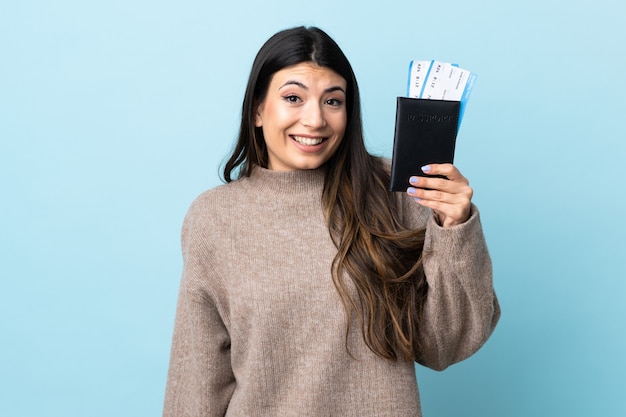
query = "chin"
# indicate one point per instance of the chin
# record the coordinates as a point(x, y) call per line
point(310, 164)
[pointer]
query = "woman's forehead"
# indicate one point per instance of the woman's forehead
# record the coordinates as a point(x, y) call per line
point(308, 75)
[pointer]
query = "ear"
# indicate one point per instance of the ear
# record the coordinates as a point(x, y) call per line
point(258, 120)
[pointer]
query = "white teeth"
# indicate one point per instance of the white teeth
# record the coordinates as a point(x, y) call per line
point(308, 141)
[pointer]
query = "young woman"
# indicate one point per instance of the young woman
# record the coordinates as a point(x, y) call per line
point(308, 289)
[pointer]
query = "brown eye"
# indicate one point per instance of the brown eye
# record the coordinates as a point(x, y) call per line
point(292, 99)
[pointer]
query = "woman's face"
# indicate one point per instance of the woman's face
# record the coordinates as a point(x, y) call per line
point(303, 116)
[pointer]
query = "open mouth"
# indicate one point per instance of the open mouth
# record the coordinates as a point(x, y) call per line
point(306, 141)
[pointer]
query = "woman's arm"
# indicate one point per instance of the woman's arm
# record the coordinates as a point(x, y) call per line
point(461, 308)
point(200, 379)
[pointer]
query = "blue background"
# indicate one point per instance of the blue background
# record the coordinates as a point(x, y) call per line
point(114, 115)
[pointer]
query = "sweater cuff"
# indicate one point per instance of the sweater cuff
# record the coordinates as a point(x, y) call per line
point(447, 240)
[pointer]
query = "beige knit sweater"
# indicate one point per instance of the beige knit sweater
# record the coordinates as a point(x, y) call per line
point(260, 328)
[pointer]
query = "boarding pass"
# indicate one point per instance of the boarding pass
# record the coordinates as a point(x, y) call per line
point(437, 80)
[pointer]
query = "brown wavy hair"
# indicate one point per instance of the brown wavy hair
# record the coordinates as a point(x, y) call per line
point(380, 255)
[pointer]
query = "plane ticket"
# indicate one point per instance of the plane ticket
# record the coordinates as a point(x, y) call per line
point(437, 80)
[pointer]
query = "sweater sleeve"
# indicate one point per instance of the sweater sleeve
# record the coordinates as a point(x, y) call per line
point(200, 380)
point(461, 309)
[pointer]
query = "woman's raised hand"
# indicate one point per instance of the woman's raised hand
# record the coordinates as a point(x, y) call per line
point(449, 198)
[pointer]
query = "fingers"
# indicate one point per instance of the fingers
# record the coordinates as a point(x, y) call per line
point(447, 170)
point(430, 190)
point(449, 198)
point(453, 183)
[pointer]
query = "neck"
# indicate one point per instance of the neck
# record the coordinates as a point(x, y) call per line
point(293, 183)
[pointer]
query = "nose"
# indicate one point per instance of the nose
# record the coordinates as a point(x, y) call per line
point(313, 116)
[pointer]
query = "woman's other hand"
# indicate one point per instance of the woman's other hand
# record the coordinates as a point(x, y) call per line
point(450, 198)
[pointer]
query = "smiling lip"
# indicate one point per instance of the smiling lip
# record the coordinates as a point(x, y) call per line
point(308, 141)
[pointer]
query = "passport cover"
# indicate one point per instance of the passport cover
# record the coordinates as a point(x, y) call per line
point(425, 133)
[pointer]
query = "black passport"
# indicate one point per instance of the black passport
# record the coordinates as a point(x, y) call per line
point(425, 133)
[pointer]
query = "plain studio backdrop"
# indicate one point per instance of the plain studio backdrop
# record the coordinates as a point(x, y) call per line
point(114, 115)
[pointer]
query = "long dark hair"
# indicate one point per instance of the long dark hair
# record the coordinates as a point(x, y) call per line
point(376, 251)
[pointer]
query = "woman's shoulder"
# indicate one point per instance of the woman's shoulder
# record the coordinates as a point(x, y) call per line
point(217, 193)
point(215, 202)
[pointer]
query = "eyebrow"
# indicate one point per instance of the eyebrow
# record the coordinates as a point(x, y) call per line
point(299, 84)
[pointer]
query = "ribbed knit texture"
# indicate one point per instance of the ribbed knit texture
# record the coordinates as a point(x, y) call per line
point(260, 328)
